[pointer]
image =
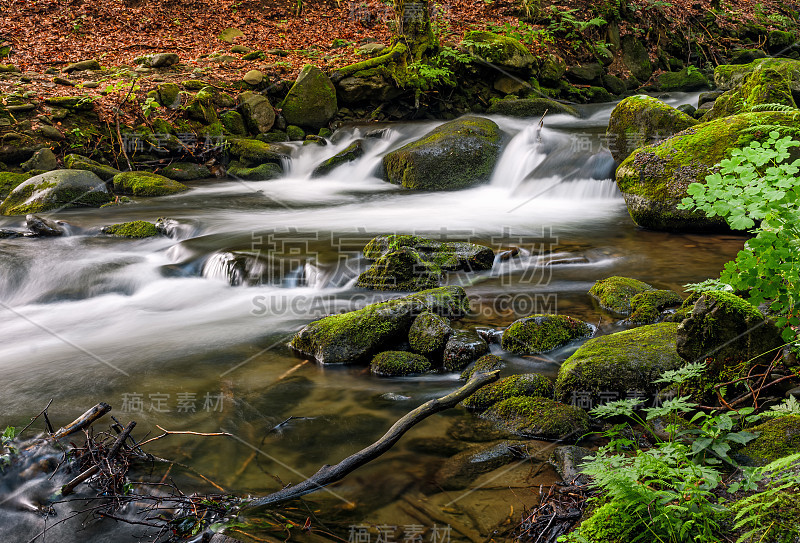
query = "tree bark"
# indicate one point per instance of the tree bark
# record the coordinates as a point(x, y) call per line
point(414, 27)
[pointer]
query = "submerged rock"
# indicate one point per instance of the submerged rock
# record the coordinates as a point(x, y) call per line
point(358, 335)
point(539, 418)
point(460, 470)
point(55, 190)
point(615, 293)
point(403, 269)
point(541, 333)
point(351, 153)
point(146, 184)
point(134, 229)
point(524, 384)
point(399, 363)
point(40, 226)
point(456, 155)
point(484, 364)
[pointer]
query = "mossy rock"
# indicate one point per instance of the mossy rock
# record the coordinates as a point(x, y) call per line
point(777, 438)
point(9, 181)
point(498, 50)
point(257, 112)
point(462, 348)
point(295, 133)
point(146, 184)
point(685, 309)
point(262, 172)
point(233, 123)
point(647, 307)
point(311, 101)
point(539, 418)
point(525, 384)
point(201, 106)
point(777, 519)
point(640, 120)
point(169, 95)
point(653, 180)
point(484, 364)
point(636, 58)
point(356, 336)
point(78, 162)
point(609, 523)
point(351, 153)
point(429, 333)
point(728, 76)
point(448, 255)
point(56, 190)
point(253, 152)
point(402, 269)
point(589, 73)
point(687, 80)
point(530, 108)
point(456, 155)
point(398, 364)
point(615, 293)
point(74, 103)
point(186, 171)
point(762, 86)
point(135, 229)
point(727, 329)
point(43, 160)
point(537, 334)
point(620, 363)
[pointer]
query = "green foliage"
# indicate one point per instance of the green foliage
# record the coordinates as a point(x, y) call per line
point(438, 70)
point(5, 446)
point(790, 406)
point(758, 184)
point(150, 106)
point(709, 285)
point(772, 107)
point(521, 32)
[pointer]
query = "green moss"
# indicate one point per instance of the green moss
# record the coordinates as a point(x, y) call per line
point(484, 364)
point(403, 269)
point(253, 152)
point(295, 133)
point(135, 229)
point(539, 418)
point(262, 172)
point(686, 308)
point(78, 162)
point(727, 76)
point(608, 524)
point(429, 333)
point(349, 154)
point(688, 79)
point(10, 180)
point(541, 333)
point(233, 123)
point(647, 306)
point(146, 184)
point(615, 293)
point(526, 384)
point(399, 363)
point(777, 438)
point(311, 101)
point(777, 515)
point(77, 103)
point(620, 363)
point(395, 54)
point(498, 49)
point(763, 86)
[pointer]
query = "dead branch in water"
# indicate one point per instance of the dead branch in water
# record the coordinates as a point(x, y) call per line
point(84, 421)
point(330, 474)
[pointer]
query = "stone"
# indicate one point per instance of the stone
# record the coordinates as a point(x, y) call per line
point(567, 460)
point(524, 384)
point(261, 172)
point(158, 60)
point(539, 418)
point(403, 269)
point(134, 229)
point(636, 59)
point(398, 364)
point(498, 50)
point(687, 80)
point(201, 106)
point(429, 333)
point(50, 132)
point(186, 171)
point(615, 293)
point(371, 49)
point(253, 78)
point(647, 307)
point(614, 84)
point(10, 180)
point(587, 74)
point(311, 101)
point(252, 152)
point(231, 34)
point(530, 107)
point(458, 154)
point(169, 95)
point(462, 348)
point(777, 438)
point(146, 184)
point(257, 112)
point(82, 66)
point(484, 364)
point(761, 86)
point(234, 123)
point(460, 470)
point(537, 334)
point(746, 56)
point(42, 227)
point(351, 153)
point(56, 190)
point(448, 255)
point(729, 76)
point(43, 159)
point(509, 85)
point(295, 133)
point(367, 87)
point(78, 162)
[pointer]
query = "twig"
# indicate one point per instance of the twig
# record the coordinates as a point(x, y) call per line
point(171, 432)
point(70, 486)
point(83, 421)
point(42, 412)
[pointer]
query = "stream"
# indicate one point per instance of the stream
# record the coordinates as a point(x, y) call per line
point(189, 332)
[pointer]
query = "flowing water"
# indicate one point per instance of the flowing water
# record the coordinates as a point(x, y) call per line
point(189, 332)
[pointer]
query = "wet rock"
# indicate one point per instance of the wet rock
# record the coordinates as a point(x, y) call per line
point(451, 256)
point(457, 154)
point(462, 348)
point(647, 307)
point(567, 461)
point(687, 80)
point(524, 384)
point(55, 190)
point(615, 293)
point(252, 152)
point(434, 446)
point(185, 171)
point(541, 333)
point(146, 184)
point(42, 227)
point(530, 107)
point(134, 229)
point(460, 470)
point(763, 85)
point(539, 418)
point(403, 269)
point(398, 363)
point(257, 112)
point(43, 159)
point(351, 153)
point(498, 50)
point(312, 99)
point(484, 364)
point(429, 333)
point(78, 162)
point(9, 181)
point(262, 172)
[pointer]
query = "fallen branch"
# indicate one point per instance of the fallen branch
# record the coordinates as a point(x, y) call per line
point(83, 421)
point(398, 51)
point(70, 486)
point(330, 474)
point(173, 433)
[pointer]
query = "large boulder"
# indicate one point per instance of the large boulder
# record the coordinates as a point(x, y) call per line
point(620, 363)
point(763, 85)
point(367, 86)
point(311, 101)
point(358, 335)
point(146, 184)
point(448, 255)
point(456, 155)
point(10, 180)
point(398, 364)
point(530, 107)
point(78, 162)
point(403, 269)
point(498, 50)
point(55, 190)
point(257, 112)
point(653, 180)
point(729, 76)
point(524, 384)
point(539, 418)
point(647, 307)
point(541, 333)
point(726, 329)
point(777, 438)
point(252, 152)
point(640, 120)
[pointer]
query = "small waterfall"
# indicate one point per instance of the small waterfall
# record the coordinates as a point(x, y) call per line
point(521, 156)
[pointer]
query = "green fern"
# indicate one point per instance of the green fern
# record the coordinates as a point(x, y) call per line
point(772, 107)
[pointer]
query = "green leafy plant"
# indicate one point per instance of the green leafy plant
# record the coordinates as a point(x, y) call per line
point(757, 189)
point(5, 446)
point(150, 106)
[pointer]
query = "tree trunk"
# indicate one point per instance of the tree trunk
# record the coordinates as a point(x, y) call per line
point(414, 27)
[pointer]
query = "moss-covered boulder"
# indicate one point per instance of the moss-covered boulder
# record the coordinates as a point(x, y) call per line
point(55, 190)
point(311, 101)
point(358, 335)
point(168, 95)
point(615, 293)
point(728, 76)
point(448, 255)
point(256, 111)
point(541, 333)
point(42, 160)
point(776, 439)
point(525, 384)
point(262, 172)
point(351, 153)
point(402, 269)
point(201, 106)
point(640, 120)
point(762, 86)
point(429, 333)
point(484, 364)
point(653, 180)
point(498, 50)
point(620, 363)
point(728, 330)
point(252, 152)
point(233, 123)
point(78, 162)
point(687, 80)
point(609, 523)
point(539, 418)
point(456, 155)
point(463, 347)
point(647, 307)
point(134, 229)
point(530, 108)
point(186, 171)
point(636, 58)
point(10, 180)
point(398, 364)
point(146, 184)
